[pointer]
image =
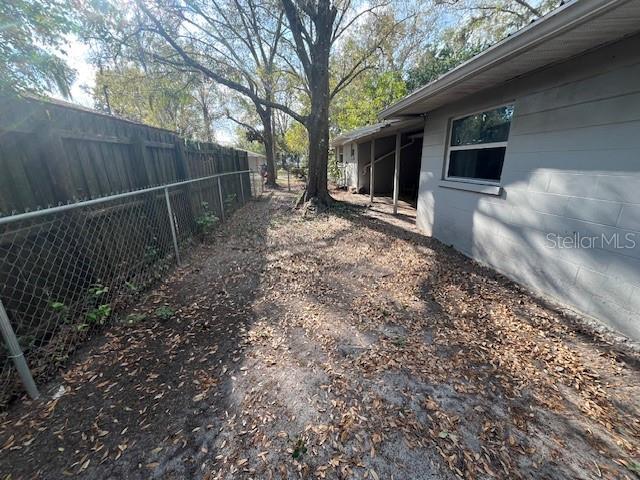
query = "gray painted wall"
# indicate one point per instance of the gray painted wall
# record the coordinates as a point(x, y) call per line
point(572, 166)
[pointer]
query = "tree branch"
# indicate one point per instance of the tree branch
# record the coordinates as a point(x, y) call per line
point(255, 132)
point(193, 63)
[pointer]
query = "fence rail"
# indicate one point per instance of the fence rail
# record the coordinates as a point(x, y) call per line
point(67, 271)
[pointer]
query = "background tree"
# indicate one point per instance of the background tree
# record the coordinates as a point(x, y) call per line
point(168, 99)
point(360, 103)
point(486, 22)
point(233, 42)
point(319, 30)
point(230, 42)
point(32, 39)
point(436, 61)
point(248, 46)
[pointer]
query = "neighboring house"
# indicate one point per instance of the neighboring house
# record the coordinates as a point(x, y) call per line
point(530, 158)
point(256, 160)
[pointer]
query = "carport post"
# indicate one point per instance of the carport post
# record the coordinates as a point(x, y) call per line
point(373, 162)
point(396, 174)
point(16, 355)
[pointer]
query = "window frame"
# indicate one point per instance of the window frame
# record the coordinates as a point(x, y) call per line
point(477, 146)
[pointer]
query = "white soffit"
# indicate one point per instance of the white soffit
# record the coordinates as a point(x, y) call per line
point(377, 130)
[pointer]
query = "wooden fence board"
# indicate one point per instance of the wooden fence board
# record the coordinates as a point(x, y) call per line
point(51, 153)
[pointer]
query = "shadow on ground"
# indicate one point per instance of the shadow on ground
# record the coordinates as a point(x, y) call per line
point(340, 345)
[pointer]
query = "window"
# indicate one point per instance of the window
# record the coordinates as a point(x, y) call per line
point(477, 145)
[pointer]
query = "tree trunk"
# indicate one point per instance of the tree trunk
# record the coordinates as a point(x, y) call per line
point(206, 118)
point(318, 121)
point(318, 130)
point(266, 115)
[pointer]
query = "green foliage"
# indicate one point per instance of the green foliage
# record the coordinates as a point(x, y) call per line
point(229, 200)
point(174, 100)
point(334, 170)
point(99, 315)
point(57, 306)
point(299, 448)
point(31, 41)
point(151, 253)
point(61, 309)
point(207, 220)
point(97, 290)
point(634, 467)
point(360, 103)
point(296, 139)
point(164, 312)
point(436, 62)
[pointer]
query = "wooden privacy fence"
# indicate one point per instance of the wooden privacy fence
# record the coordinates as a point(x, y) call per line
point(67, 270)
point(52, 153)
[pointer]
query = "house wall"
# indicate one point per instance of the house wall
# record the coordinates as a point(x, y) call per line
point(572, 165)
point(350, 158)
point(364, 157)
point(256, 161)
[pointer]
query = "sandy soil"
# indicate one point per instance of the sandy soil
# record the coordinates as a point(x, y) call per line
point(338, 345)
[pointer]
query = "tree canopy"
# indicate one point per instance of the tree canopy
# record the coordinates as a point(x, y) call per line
point(287, 73)
point(179, 101)
point(32, 41)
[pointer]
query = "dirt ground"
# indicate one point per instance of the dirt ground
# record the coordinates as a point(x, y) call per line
point(337, 345)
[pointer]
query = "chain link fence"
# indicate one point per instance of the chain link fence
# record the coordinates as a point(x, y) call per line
point(67, 271)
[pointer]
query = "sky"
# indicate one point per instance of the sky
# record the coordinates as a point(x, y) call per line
point(77, 57)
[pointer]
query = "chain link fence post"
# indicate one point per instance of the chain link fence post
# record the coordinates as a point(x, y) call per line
point(68, 271)
point(16, 355)
point(174, 236)
point(221, 200)
point(254, 191)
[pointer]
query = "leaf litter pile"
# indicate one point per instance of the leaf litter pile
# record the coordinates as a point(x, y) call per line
point(337, 345)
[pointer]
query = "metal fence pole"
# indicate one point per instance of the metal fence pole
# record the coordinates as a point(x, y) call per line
point(221, 200)
point(254, 192)
point(242, 187)
point(173, 226)
point(15, 354)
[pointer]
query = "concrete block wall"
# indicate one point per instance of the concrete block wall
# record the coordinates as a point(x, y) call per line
point(572, 167)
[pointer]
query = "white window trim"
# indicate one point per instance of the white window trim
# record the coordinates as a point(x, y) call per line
point(478, 146)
